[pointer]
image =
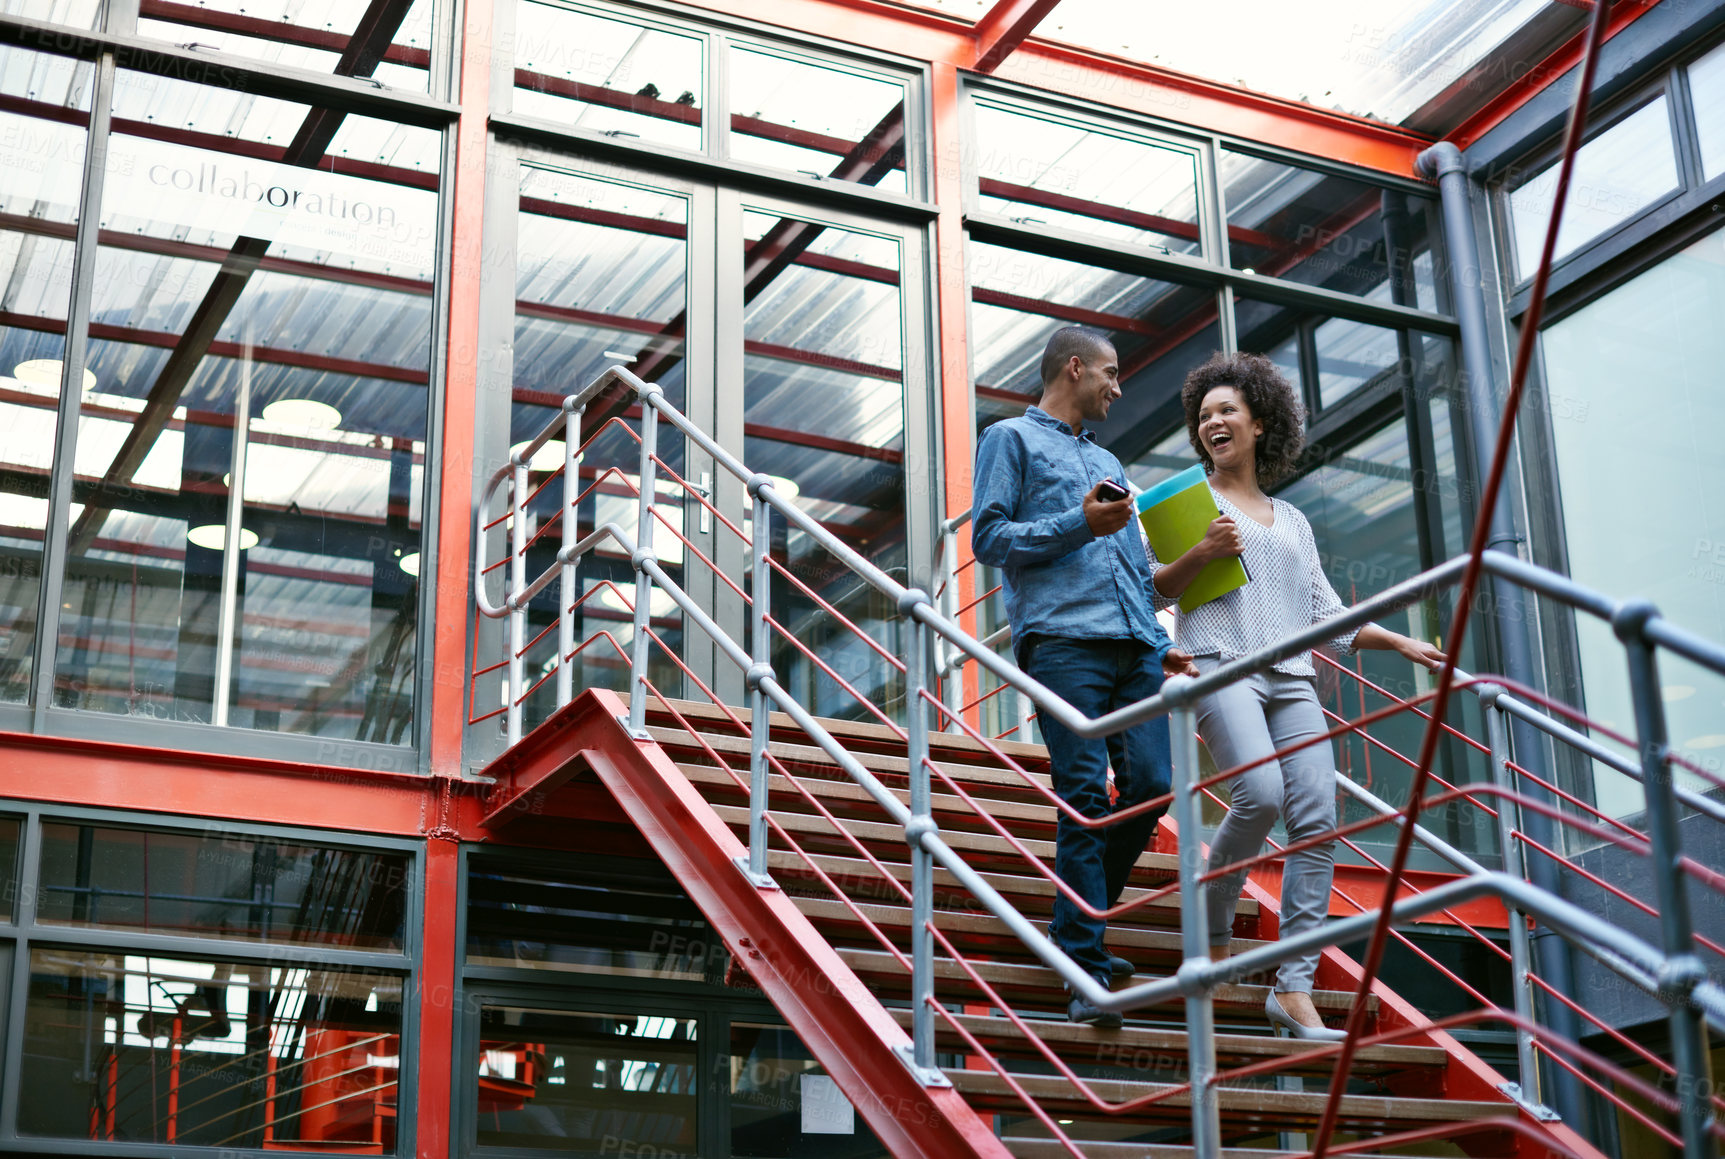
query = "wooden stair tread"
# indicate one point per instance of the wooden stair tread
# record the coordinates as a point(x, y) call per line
point(1014, 887)
point(1129, 1044)
point(812, 755)
point(1159, 867)
point(781, 794)
point(870, 732)
point(1018, 977)
point(1160, 943)
point(1243, 1105)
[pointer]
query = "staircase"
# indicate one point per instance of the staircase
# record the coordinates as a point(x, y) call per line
point(840, 861)
point(887, 889)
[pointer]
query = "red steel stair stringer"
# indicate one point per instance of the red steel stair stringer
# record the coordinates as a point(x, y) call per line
point(837, 1017)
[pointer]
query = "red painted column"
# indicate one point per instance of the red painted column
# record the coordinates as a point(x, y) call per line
point(455, 496)
point(958, 443)
point(437, 987)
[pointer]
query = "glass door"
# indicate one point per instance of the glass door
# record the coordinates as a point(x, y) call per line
point(822, 383)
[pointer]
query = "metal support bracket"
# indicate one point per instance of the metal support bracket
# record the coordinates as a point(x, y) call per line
point(759, 880)
point(635, 733)
point(1538, 1110)
point(928, 1076)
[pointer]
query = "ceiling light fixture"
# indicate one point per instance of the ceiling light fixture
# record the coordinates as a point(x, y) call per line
point(410, 564)
point(214, 536)
point(303, 414)
point(546, 458)
point(787, 488)
point(48, 372)
point(660, 606)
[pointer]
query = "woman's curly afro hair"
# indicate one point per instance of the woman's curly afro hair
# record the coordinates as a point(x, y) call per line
point(1269, 396)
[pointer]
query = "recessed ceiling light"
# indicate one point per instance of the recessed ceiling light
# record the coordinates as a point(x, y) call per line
point(546, 458)
point(410, 563)
point(619, 357)
point(787, 488)
point(1712, 740)
point(214, 536)
point(1247, 270)
point(1675, 692)
point(48, 372)
point(660, 606)
point(302, 413)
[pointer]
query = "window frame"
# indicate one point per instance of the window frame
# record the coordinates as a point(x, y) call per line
point(712, 163)
point(19, 931)
point(118, 47)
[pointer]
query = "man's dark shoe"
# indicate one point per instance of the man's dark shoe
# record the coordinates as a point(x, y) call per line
point(1120, 967)
point(1078, 1010)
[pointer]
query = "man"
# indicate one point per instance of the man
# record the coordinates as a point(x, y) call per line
point(1077, 595)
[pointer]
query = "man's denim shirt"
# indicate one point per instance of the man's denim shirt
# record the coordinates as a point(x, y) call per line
point(1032, 474)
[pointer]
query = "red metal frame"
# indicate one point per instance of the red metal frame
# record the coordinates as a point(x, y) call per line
point(837, 1017)
point(460, 398)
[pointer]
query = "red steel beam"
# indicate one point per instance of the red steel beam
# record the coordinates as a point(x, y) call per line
point(834, 1013)
point(454, 495)
point(1006, 26)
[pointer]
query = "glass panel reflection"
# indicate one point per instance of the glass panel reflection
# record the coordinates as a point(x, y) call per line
point(823, 368)
point(219, 883)
point(1707, 97)
point(592, 1082)
point(42, 157)
point(128, 1047)
point(1160, 330)
point(1332, 358)
point(590, 914)
point(1322, 230)
point(1617, 174)
point(818, 120)
point(390, 42)
point(609, 75)
point(1364, 515)
point(1655, 525)
point(783, 1106)
point(275, 284)
point(601, 279)
point(1045, 172)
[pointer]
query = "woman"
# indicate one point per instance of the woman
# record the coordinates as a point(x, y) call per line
point(1246, 423)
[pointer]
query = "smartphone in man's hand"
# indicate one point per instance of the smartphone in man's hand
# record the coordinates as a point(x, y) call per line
point(1111, 492)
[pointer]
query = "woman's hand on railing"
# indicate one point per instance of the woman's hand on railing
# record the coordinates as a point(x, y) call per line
point(1421, 652)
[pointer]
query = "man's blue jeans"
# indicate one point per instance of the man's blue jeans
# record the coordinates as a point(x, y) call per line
point(1098, 676)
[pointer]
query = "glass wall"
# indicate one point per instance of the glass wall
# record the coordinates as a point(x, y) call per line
point(251, 320)
point(1643, 486)
point(208, 986)
point(624, 73)
point(601, 273)
point(1178, 247)
point(604, 1017)
point(42, 144)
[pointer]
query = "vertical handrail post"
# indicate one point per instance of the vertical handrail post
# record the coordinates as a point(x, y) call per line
point(761, 668)
point(1194, 927)
point(1514, 864)
point(919, 655)
point(917, 658)
point(571, 535)
point(650, 397)
point(1683, 969)
point(517, 587)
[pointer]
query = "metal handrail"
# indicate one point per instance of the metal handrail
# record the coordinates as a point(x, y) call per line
point(1676, 979)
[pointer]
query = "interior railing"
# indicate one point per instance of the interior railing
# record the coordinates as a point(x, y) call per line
point(1673, 972)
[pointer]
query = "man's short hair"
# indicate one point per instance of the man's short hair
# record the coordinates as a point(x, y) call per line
point(1088, 344)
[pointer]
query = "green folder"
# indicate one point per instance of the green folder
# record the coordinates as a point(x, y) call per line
point(1175, 513)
